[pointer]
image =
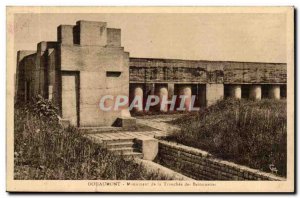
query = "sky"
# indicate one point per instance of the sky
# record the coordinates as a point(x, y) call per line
point(252, 37)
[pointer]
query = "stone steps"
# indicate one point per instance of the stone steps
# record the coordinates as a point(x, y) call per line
point(132, 155)
point(93, 130)
point(122, 146)
point(127, 153)
point(119, 145)
point(122, 150)
point(117, 141)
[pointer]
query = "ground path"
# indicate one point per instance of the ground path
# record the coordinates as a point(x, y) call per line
point(158, 123)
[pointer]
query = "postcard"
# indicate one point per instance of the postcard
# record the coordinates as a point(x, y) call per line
point(150, 99)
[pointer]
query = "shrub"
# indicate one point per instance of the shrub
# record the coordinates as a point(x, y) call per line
point(39, 106)
point(252, 133)
point(43, 150)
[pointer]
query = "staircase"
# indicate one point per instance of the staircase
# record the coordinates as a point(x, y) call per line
point(124, 147)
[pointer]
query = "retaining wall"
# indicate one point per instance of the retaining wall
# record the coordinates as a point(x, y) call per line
point(200, 165)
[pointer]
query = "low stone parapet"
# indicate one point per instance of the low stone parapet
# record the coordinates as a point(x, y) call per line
point(201, 165)
point(161, 170)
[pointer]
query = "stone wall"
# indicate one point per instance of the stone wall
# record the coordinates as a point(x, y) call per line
point(166, 70)
point(53, 76)
point(101, 67)
point(250, 73)
point(36, 71)
point(93, 64)
point(86, 63)
point(200, 165)
point(41, 68)
point(25, 74)
point(183, 71)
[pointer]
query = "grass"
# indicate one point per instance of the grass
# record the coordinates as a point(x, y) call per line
point(43, 150)
point(252, 133)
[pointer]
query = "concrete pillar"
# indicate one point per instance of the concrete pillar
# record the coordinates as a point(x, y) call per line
point(186, 90)
point(137, 92)
point(162, 92)
point(235, 91)
point(214, 93)
point(274, 92)
point(255, 92)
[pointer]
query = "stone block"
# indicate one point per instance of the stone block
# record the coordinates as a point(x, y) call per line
point(65, 34)
point(92, 33)
point(125, 122)
point(114, 37)
point(148, 146)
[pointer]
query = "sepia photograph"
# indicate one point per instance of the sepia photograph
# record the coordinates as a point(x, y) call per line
point(150, 99)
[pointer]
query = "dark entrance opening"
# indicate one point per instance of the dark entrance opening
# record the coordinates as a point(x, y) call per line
point(265, 91)
point(195, 93)
point(245, 91)
point(226, 91)
point(283, 91)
